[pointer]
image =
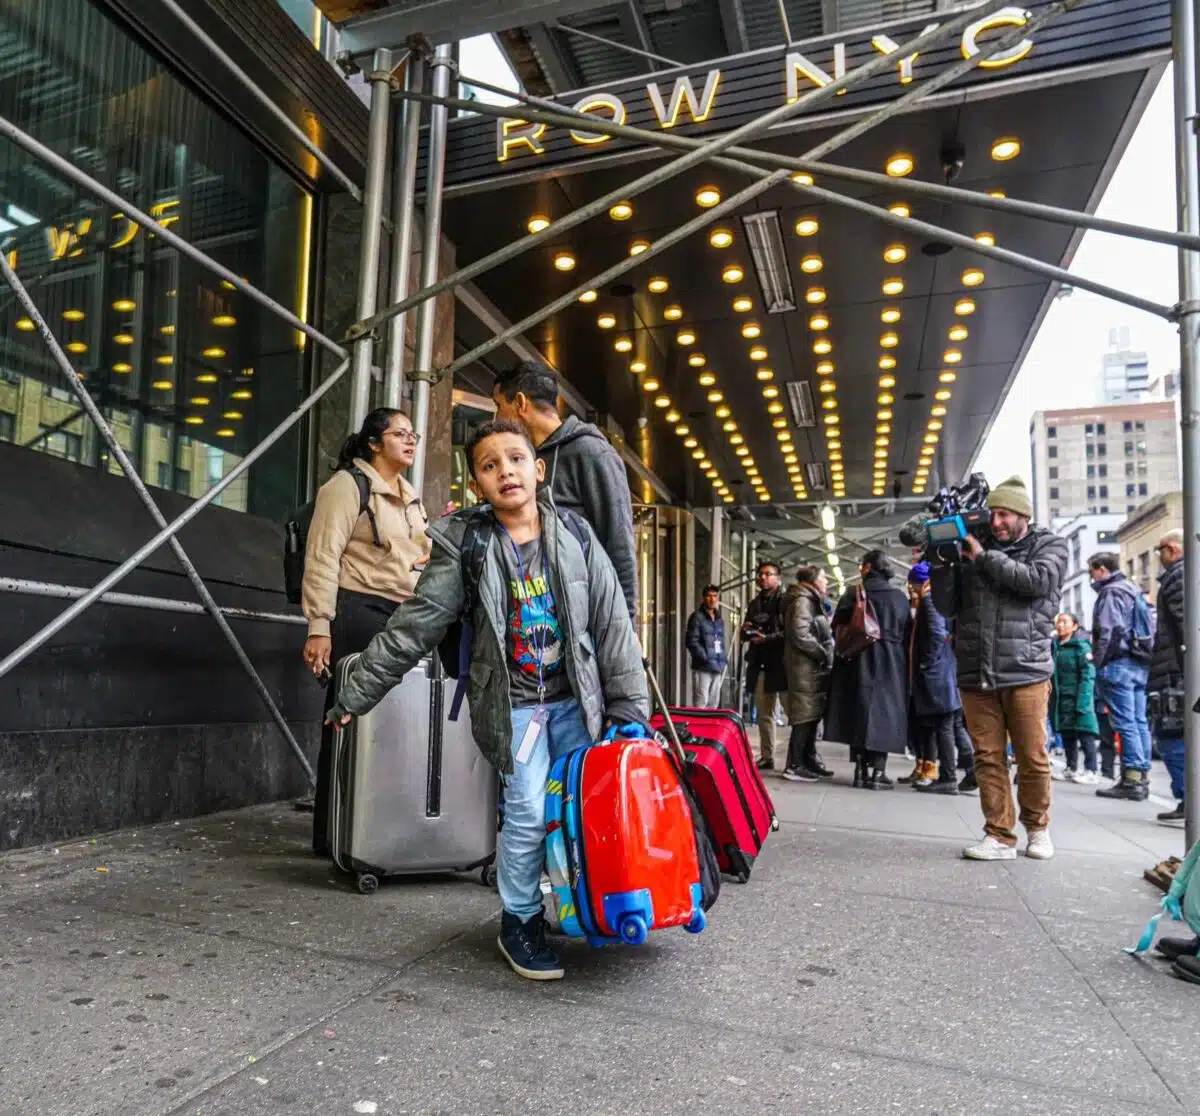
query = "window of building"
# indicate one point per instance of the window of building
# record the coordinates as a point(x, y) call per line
point(1053, 492)
point(1089, 429)
point(1130, 508)
point(1051, 431)
point(1090, 449)
point(1101, 429)
point(1091, 471)
point(1128, 449)
point(1102, 449)
point(161, 332)
point(1139, 426)
point(1131, 490)
point(1054, 472)
point(1143, 574)
point(1103, 471)
point(1052, 451)
point(1129, 468)
point(1104, 492)
point(1091, 491)
point(1141, 447)
point(1054, 513)
point(1142, 468)
point(1104, 509)
point(1127, 427)
point(1143, 489)
point(1109, 537)
point(8, 426)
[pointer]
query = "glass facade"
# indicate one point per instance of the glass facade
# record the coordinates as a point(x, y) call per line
point(190, 373)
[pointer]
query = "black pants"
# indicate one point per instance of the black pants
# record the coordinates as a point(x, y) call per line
point(1108, 746)
point(937, 741)
point(963, 744)
point(802, 746)
point(360, 617)
point(1072, 742)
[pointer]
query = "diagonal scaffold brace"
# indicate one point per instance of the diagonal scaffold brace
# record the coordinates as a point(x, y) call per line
point(131, 474)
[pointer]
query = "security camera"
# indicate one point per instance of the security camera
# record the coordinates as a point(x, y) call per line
point(952, 155)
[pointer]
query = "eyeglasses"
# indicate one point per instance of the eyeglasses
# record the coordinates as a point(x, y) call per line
point(408, 437)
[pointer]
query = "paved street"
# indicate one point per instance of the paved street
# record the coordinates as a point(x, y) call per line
point(212, 967)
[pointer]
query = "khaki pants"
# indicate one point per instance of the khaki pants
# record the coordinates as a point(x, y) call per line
point(766, 703)
point(706, 689)
point(993, 718)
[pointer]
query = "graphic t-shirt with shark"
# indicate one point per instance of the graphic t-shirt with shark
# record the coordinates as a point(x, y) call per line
point(532, 628)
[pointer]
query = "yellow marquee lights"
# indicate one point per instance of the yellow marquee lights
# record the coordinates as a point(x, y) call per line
point(893, 286)
point(658, 285)
point(683, 429)
point(733, 274)
point(621, 211)
point(899, 209)
point(942, 394)
point(818, 322)
point(638, 247)
point(775, 408)
point(707, 379)
point(895, 253)
point(958, 333)
point(686, 337)
point(972, 277)
point(606, 321)
point(672, 416)
point(986, 238)
point(952, 356)
point(203, 378)
point(810, 265)
point(720, 238)
point(588, 296)
point(650, 384)
point(825, 368)
point(890, 315)
point(814, 296)
point(673, 313)
point(224, 321)
point(887, 363)
point(764, 374)
point(722, 412)
point(716, 396)
point(662, 402)
point(124, 369)
point(73, 315)
point(770, 391)
point(889, 341)
point(758, 353)
point(1005, 149)
point(77, 346)
point(938, 411)
point(887, 382)
point(964, 307)
point(623, 345)
point(564, 261)
point(537, 223)
point(948, 377)
point(822, 345)
point(807, 226)
point(696, 360)
point(742, 305)
point(751, 330)
point(708, 196)
point(827, 386)
point(900, 165)
point(124, 305)
point(637, 367)
point(690, 443)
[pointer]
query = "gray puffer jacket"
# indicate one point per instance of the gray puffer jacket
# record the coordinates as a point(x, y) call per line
point(1010, 595)
point(603, 660)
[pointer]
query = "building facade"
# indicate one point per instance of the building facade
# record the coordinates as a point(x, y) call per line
point(1139, 536)
point(1124, 374)
point(1102, 460)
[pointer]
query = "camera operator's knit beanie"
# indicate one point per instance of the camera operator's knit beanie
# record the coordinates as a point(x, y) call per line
point(1011, 496)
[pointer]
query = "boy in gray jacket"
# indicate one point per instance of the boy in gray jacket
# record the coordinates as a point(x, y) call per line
point(553, 659)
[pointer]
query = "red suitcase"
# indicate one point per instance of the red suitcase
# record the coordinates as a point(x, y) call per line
point(730, 788)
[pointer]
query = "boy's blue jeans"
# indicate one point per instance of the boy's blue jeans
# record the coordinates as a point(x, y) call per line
point(1171, 748)
point(1122, 685)
point(522, 851)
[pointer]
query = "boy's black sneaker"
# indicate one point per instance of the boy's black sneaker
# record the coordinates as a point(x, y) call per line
point(937, 786)
point(1175, 948)
point(1176, 815)
point(969, 784)
point(524, 947)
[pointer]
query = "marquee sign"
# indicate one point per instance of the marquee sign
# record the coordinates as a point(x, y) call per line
point(723, 95)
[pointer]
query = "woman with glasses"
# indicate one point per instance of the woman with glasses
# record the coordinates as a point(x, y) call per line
point(366, 544)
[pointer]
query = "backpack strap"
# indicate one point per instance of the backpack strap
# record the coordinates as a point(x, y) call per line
point(577, 525)
point(364, 501)
point(476, 540)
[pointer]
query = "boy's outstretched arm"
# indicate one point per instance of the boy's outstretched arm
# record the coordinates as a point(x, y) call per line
point(414, 630)
point(622, 673)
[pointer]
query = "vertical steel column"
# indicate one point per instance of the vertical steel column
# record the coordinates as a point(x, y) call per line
point(1187, 153)
point(405, 143)
point(422, 373)
point(715, 570)
point(680, 615)
point(380, 79)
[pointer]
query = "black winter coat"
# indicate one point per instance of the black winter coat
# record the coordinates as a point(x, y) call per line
point(1166, 665)
point(706, 641)
point(934, 672)
point(1010, 596)
point(767, 613)
point(868, 701)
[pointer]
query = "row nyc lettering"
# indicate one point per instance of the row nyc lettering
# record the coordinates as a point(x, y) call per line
point(68, 241)
point(683, 102)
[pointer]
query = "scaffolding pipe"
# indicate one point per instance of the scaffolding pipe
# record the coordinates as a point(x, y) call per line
point(1187, 155)
point(422, 374)
point(405, 144)
point(248, 85)
point(26, 588)
point(9, 131)
point(670, 170)
point(131, 474)
point(615, 45)
point(18, 656)
point(380, 80)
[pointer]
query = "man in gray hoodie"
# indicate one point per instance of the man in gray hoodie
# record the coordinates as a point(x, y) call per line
point(583, 472)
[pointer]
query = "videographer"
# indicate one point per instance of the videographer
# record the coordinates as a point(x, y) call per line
point(1010, 589)
point(766, 674)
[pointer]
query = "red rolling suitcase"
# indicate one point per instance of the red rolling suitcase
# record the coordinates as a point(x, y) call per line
point(722, 772)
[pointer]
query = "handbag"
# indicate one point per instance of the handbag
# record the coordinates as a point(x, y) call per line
point(860, 631)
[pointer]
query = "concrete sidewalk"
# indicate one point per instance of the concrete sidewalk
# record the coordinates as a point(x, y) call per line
point(214, 967)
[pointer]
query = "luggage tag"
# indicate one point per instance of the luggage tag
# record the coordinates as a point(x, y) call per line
point(533, 732)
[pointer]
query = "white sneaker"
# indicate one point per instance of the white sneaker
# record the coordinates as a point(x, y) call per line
point(1040, 846)
point(1087, 778)
point(990, 849)
point(1071, 775)
point(1060, 776)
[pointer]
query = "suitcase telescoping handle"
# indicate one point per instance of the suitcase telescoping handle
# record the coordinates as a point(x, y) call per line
point(672, 736)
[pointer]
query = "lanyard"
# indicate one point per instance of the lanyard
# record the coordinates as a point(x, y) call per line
point(537, 646)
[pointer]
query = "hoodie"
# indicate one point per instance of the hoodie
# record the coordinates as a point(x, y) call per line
point(586, 475)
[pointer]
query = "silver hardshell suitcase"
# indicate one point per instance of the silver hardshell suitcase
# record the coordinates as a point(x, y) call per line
point(410, 791)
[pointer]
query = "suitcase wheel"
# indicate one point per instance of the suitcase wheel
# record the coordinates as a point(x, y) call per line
point(742, 877)
point(774, 824)
point(367, 883)
point(633, 929)
point(696, 923)
point(487, 875)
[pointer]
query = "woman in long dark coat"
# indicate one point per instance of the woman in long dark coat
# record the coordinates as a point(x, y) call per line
point(868, 703)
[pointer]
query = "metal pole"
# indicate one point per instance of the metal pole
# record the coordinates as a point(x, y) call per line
point(27, 588)
point(72, 173)
point(380, 79)
point(131, 474)
point(676, 167)
point(422, 374)
point(405, 144)
point(615, 45)
point(258, 95)
point(1187, 175)
point(15, 658)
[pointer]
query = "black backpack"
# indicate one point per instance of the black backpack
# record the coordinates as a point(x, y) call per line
point(454, 651)
point(295, 536)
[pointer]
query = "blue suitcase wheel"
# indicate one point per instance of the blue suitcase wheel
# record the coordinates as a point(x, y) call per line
point(696, 923)
point(633, 929)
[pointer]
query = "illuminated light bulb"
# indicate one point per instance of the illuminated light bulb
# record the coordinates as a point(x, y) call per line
point(224, 321)
point(884, 413)
point(683, 429)
point(895, 253)
point(818, 322)
point(673, 313)
point(775, 408)
point(233, 416)
point(729, 426)
point(707, 197)
point(637, 367)
point(696, 360)
point(564, 261)
point(207, 378)
point(537, 223)
point(716, 396)
point(167, 330)
point(938, 411)
point(802, 179)
point(972, 277)
point(900, 165)
point(736, 440)
point(658, 285)
point(77, 346)
point(1005, 149)
point(166, 358)
point(73, 315)
point(622, 211)
point(810, 265)
point(832, 420)
point(834, 455)
point(829, 404)
point(883, 428)
point(241, 393)
point(893, 286)
point(814, 296)
point(770, 391)
point(958, 333)
point(986, 238)
point(900, 209)
point(720, 238)
point(742, 451)
point(690, 443)
point(807, 226)
point(827, 386)
point(964, 307)
point(822, 345)
point(122, 368)
point(742, 305)
point(887, 363)
point(931, 439)
point(707, 379)
point(889, 341)
point(825, 368)
point(722, 412)
point(194, 420)
point(997, 194)
point(623, 345)
point(124, 305)
point(162, 385)
point(638, 247)
point(952, 356)
point(882, 440)
point(764, 374)
point(942, 394)
point(733, 274)
point(214, 352)
point(751, 330)
point(791, 459)
point(890, 315)
point(25, 325)
point(947, 377)
point(887, 381)
point(884, 399)
point(672, 415)
point(650, 384)
point(588, 296)
point(123, 338)
point(698, 454)
point(685, 337)
point(662, 402)
point(199, 401)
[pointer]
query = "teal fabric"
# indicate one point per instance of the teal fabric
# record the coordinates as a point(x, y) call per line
point(1181, 902)
point(1073, 700)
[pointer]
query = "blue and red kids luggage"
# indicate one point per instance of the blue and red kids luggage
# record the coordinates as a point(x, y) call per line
point(621, 847)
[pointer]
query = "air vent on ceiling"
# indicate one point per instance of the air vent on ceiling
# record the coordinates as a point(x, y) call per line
point(817, 475)
point(765, 237)
point(800, 397)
